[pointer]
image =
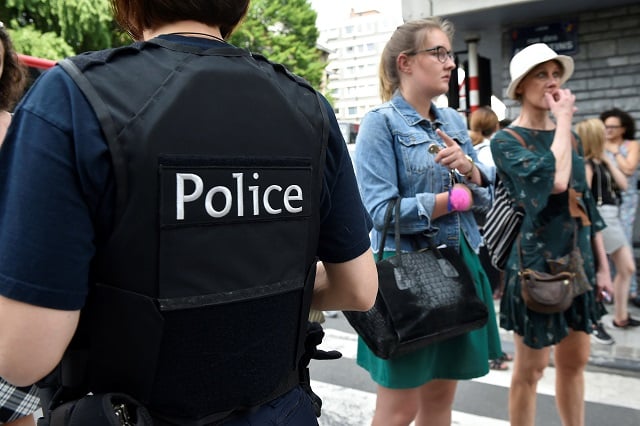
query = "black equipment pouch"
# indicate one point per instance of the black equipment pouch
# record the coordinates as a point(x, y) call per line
point(107, 409)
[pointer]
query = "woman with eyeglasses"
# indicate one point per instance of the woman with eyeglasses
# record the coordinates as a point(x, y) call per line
point(393, 160)
point(624, 151)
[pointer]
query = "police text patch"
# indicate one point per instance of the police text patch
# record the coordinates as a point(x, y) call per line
point(201, 191)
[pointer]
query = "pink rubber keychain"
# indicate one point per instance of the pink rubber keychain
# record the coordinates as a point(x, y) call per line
point(459, 199)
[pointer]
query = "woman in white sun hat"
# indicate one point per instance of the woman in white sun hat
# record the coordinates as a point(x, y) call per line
point(544, 178)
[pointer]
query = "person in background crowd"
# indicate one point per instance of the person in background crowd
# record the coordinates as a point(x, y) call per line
point(187, 233)
point(538, 176)
point(504, 122)
point(393, 160)
point(483, 123)
point(17, 404)
point(606, 182)
point(13, 79)
point(622, 147)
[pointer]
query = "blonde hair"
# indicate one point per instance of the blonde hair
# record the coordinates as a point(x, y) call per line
point(482, 124)
point(408, 37)
point(592, 134)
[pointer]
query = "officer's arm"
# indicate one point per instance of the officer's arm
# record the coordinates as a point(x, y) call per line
point(347, 286)
point(32, 340)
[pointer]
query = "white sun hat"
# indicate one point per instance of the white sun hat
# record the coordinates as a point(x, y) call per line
point(532, 56)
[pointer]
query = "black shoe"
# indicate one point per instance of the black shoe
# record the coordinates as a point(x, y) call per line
point(599, 335)
point(631, 322)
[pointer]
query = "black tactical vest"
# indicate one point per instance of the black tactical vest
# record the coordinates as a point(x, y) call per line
point(203, 290)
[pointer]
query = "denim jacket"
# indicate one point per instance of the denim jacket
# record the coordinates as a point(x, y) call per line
point(392, 159)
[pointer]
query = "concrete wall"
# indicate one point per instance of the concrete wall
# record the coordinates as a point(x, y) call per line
point(607, 72)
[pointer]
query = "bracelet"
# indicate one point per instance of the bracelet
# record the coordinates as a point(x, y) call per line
point(449, 206)
point(469, 174)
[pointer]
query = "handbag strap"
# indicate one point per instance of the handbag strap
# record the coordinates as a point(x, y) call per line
point(385, 228)
point(516, 135)
point(393, 210)
point(396, 233)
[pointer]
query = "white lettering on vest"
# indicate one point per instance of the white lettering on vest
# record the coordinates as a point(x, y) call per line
point(288, 198)
point(265, 199)
point(180, 197)
point(291, 193)
point(228, 199)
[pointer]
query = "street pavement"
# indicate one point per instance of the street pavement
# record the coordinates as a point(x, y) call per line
point(623, 355)
point(612, 395)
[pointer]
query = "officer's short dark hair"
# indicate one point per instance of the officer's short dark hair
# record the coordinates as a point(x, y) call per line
point(136, 15)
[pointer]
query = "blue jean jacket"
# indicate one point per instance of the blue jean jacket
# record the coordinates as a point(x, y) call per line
point(392, 159)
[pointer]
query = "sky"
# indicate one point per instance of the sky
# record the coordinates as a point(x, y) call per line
point(339, 9)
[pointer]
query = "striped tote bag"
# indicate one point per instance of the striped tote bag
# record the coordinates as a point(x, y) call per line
point(502, 225)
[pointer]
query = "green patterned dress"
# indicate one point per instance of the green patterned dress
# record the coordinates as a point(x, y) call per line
point(547, 233)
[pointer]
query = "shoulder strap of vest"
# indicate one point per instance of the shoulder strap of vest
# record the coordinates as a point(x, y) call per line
point(108, 128)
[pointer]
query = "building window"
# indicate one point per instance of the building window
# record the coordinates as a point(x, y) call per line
point(353, 110)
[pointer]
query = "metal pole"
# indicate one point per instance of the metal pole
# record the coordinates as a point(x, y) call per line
point(472, 73)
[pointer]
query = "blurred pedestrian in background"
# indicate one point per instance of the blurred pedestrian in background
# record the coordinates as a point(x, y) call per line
point(483, 123)
point(538, 177)
point(607, 183)
point(624, 150)
point(13, 79)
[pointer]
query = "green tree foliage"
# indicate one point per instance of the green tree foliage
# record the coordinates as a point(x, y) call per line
point(282, 30)
point(285, 32)
point(50, 28)
point(32, 42)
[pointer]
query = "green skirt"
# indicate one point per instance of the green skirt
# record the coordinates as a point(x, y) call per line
point(459, 358)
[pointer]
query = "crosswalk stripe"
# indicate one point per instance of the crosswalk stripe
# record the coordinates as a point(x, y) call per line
point(604, 388)
point(351, 407)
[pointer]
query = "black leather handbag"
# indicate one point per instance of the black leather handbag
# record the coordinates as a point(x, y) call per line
point(424, 297)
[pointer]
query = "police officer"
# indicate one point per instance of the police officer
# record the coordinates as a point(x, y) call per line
point(177, 192)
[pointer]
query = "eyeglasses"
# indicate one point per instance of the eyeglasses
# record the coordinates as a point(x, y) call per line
point(612, 127)
point(439, 52)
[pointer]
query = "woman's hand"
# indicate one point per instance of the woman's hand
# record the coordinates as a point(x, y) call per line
point(562, 103)
point(603, 280)
point(452, 156)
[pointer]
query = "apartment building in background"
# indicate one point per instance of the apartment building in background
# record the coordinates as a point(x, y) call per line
point(355, 43)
